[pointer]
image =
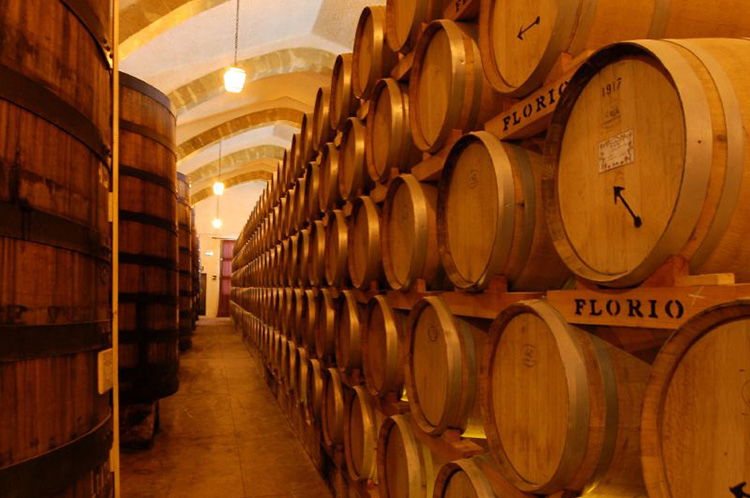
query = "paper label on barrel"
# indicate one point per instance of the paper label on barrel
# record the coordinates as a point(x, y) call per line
point(616, 151)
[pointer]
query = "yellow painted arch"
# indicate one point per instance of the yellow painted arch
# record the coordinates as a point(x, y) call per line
point(292, 60)
point(260, 170)
point(257, 119)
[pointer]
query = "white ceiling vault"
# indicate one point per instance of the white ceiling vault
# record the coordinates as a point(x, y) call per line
point(287, 47)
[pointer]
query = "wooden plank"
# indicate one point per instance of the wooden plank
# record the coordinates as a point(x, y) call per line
point(647, 307)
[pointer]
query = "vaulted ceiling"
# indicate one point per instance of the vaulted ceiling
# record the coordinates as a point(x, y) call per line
point(287, 47)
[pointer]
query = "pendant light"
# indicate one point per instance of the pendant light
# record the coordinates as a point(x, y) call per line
point(234, 77)
point(218, 184)
point(217, 223)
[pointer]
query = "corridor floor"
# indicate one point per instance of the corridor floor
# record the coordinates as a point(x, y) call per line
point(222, 435)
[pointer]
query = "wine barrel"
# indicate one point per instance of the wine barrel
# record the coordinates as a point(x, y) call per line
point(586, 437)
point(55, 241)
point(365, 264)
point(372, 58)
point(348, 334)
point(322, 131)
point(335, 250)
point(361, 435)
point(388, 141)
point(353, 177)
point(343, 100)
point(447, 89)
point(491, 219)
point(299, 213)
point(695, 413)
point(462, 478)
point(329, 177)
point(300, 375)
point(303, 249)
point(295, 155)
point(522, 41)
point(195, 270)
point(148, 274)
point(298, 299)
point(404, 19)
point(443, 398)
point(312, 187)
point(409, 234)
point(315, 389)
point(325, 330)
point(306, 144)
point(290, 370)
point(184, 262)
point(677, 179)
point(384, 348)
point(333, 408)
point(406, 466)
point(316, 254)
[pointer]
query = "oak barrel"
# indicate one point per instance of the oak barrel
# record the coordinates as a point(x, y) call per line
point(322, 131)
point(348, 333)
point(404, 19)
point(443, 398)
point(55, 248)
point(491, 218)
point(462, 478)
point(353, 177)
point(364, 262)
point(521, 41)
point(312, 187)
point(372, 58)
point(647, 146)
point(406, 466)
point(409, 234)
point(333, 409)
point(151, 289)
point(328, 190)
point(388, 141)
point(695, 425)
point(447, 89)
point(335, 250)
point(315, 264)
point(325, 330)
point(343, 100)
point(586, 437)
point(315, 389)
point(361, 435)
point(384, 348)
point(184, 261)
point(305, 149)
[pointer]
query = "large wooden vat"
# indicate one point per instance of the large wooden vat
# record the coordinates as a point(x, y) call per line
point(55, 248)
point(184, 262)
point(372, 58)
point(404, 19)
point(491, 219)
point(343, 100)
point(521, 41)
point(406, 466)
point(365, 264)
point(586, 435)
point(447, 89)
point(149, 288)
point(361, 426)
point(647, 146)
point(443, 398)
point(695, 428)
point(384, 348)
point(388, 140)
point(409, 234)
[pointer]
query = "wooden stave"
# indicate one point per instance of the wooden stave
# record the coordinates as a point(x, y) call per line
point(402, 153)
point(362, 277)
point(664, 369)
point(343, 101)
point(589, 454)
point(145, 310)
point(460, 411)
point(672, 55)
point(352, 174)
point(473, 101)
point(425, 263)
point(525, 257)
point(395, 350)
point(382, 58)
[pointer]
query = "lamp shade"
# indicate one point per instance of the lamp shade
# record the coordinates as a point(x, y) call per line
point(218, 188)
point(234, 79)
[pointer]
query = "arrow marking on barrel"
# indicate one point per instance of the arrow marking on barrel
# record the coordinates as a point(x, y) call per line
point(618, 195)
point(522, 31)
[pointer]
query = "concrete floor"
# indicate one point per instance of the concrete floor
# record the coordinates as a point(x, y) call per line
point(223, 434)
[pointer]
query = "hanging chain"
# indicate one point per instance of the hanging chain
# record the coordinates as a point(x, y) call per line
point(236, 32)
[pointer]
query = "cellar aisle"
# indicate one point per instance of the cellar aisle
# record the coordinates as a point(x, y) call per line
point(222, 435)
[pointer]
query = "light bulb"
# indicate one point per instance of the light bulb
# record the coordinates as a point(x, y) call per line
point(234, 79)
point(217, 223)
point(219, 188)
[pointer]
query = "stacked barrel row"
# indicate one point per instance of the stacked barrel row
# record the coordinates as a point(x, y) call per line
point(56, 117)
point(363, 275)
